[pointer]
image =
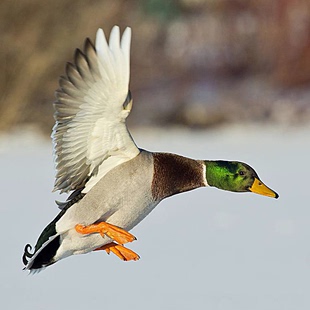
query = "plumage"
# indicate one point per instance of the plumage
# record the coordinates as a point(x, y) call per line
point(114, 185)
point(90, 119)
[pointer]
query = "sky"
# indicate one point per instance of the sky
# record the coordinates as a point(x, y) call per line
point(207, 249)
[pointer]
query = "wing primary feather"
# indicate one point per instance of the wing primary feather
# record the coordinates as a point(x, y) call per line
point(76, 79)
point(82, 66)
point(114, 41)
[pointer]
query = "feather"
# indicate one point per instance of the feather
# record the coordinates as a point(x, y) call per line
point(90, 112)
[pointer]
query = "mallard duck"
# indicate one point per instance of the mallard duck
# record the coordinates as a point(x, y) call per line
point(114, 184)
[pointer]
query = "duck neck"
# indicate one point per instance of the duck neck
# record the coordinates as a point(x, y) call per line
point(175, 174)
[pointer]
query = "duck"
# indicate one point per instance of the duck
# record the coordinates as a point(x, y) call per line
point(112, 183)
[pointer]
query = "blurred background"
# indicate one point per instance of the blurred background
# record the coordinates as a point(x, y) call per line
point(211, 79)
point(197, 63)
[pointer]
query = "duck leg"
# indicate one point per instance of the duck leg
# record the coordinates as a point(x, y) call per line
point(120, 251)
point(105, 229)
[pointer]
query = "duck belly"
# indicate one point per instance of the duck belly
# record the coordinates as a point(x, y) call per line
point(123, 197)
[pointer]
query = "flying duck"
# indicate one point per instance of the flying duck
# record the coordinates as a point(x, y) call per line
point(114, 184)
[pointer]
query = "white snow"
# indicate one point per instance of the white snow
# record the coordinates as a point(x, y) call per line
point(206, 249)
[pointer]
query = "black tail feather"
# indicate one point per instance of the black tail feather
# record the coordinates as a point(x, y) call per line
point(45, 256)
point(27, 254)
point(48, 242)
point(45, 246)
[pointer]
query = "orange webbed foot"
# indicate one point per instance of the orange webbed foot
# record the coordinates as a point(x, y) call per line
point(120, 251)
point(105, 229)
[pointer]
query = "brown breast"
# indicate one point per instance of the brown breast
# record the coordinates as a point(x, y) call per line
point(175, 174)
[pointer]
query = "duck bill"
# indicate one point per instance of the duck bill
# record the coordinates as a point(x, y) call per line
point(258, 187)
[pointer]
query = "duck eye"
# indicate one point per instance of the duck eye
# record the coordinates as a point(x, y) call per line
point(241, 172)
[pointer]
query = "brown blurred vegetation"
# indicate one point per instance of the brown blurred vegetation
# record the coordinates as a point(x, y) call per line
point(195, 62)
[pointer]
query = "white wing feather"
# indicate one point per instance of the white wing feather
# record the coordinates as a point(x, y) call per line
point(90, 135)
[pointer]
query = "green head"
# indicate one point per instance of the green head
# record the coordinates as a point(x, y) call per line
point(236, 176)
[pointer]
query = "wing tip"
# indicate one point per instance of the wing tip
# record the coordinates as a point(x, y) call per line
point(114, 38)
point(88, 44)
point(100, 39)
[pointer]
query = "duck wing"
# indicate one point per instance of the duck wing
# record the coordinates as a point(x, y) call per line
point(90, 136)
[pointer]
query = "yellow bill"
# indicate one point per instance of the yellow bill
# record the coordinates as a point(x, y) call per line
point(258, 187)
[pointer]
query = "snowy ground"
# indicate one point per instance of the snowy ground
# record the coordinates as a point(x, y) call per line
point(206, 249)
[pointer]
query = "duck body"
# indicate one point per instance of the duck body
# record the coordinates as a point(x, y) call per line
point(114, 184)
point(123, 197)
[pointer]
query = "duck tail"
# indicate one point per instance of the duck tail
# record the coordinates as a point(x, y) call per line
point(49, 241)
point(44, 250)
point(41, 258)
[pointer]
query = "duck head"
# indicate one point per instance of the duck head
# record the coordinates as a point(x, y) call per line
point(236, 176)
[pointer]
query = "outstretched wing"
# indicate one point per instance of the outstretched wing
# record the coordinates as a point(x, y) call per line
point(90, 136)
